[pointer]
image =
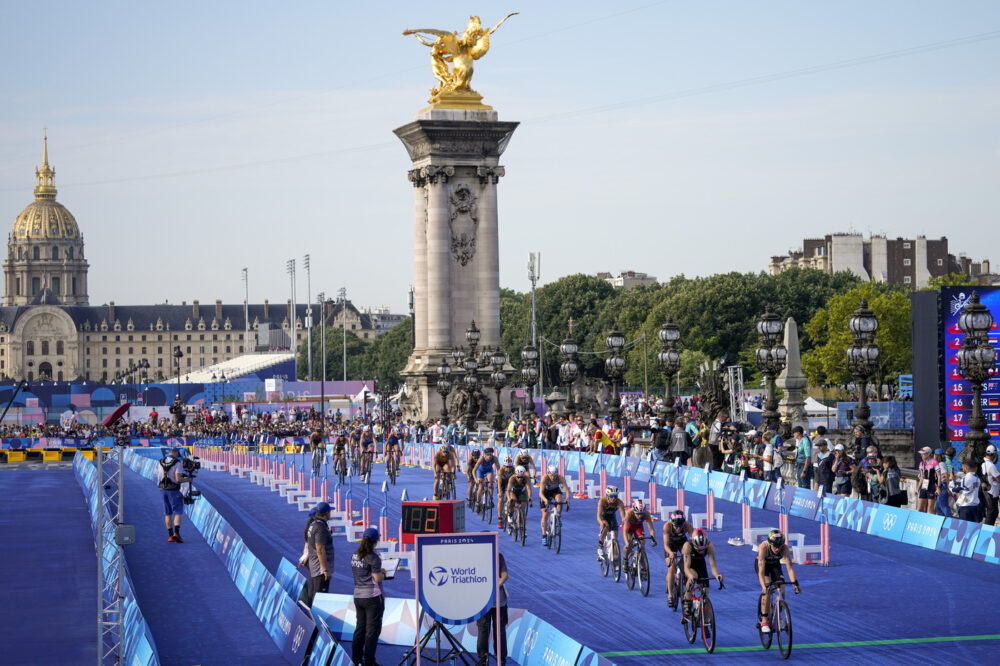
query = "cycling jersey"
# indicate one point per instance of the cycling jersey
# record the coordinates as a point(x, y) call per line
point(505, 475)
point(443, 455)
point(523, 461)
point(634, 523)
point(675, 539)
point(551, 486)
point(772, 562)
point(485, 467)
point(519, 487)
point(610, 512)
point(699, 565)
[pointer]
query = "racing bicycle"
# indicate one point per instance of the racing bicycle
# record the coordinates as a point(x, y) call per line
point(702, 616)
point(611, 558)
point(779, 617)
point(637, 566)
point(555, 524)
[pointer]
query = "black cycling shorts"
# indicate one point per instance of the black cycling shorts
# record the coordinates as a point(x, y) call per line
point(550, 495)
point(772, 571)
point(700, 568)
point(611, 519)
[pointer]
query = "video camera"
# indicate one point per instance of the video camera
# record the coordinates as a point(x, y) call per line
point(191, 466)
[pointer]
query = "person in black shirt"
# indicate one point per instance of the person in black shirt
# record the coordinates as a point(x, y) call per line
point(366, 566)
point(484, 623)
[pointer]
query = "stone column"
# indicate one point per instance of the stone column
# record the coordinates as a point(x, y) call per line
point(438, 257)
point(488, 264)
point(419, 259)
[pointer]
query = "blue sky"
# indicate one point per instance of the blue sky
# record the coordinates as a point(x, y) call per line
point(193, 139)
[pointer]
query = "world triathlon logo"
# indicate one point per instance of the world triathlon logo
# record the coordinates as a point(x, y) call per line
point(438, 576)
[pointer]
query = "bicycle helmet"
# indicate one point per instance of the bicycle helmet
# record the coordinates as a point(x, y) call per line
point(476, 453)
point(508, 461)
point(520, 471)
point(638, 506)
point(611, 491)
point(488, 451)
point(776, 538)
point(552, 469)
point(677, 518)
point(522, 452)
point(699, 540)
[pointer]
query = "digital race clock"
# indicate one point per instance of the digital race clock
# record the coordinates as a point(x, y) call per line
point(439, 517)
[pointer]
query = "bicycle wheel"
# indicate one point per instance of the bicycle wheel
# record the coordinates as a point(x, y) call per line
point(765, 637)
point(524, 526)
point(643, 573)
point(691, 626)
point(630, 568)
point(606, 550)
point(708, 624)
point(616, 560)
point(675, 589)
point(783, 628)
point(555, 535)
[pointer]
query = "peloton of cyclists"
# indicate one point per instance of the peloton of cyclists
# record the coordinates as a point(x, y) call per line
point(695, 552)
point(552, 486)
point(675, 535)
point(767, 566)
point(609, 509)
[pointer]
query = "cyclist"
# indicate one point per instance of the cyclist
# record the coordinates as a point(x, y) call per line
point(503, 477)
point(767, 566)
point(634, 518)
point(470, 465)
point(318, 452)
point(356, 444)
point(675, 535)
point(526, 461)
point(340, 449)
point(552, 486)
point(392, 445)
point(368, 448)
point(608, 511)
point(484, 470)
point(518, 492)
point(445, 462)
point(697, 549)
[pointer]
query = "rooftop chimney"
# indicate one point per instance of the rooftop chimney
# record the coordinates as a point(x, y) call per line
point(218, 308)
point(111, 312)
point(195, 309)
point(267, 310)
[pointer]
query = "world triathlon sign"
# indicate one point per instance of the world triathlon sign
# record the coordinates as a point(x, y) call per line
point(456, 575)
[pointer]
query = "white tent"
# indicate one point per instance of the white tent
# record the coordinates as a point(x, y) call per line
point(814, 407)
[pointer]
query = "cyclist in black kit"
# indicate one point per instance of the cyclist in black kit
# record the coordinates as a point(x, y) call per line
point(675, 535)
point(767, 566)
point(695, 552)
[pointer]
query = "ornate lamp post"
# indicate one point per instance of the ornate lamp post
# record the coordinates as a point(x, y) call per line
point(443, 385)
point(771, 358)
point(976, 360)
point(569, 370)
point(471, 379)
point(614, 367)
point(863, 360)
point(498, 379)
point(529, 371)
point(669, 361)
point(176, 409)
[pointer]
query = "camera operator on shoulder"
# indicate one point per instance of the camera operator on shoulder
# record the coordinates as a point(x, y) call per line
point(318, 553)
point(169, 477)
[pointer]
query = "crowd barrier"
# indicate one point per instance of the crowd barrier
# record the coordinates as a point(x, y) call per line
point(946, 535)
point(530, 640)
point(138, 648)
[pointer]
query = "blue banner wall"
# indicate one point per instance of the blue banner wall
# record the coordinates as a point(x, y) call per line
point(958, 537)
point(988, 545)
point(805, 503)
point(922, 529)
point(888, 522)
point(696, 481)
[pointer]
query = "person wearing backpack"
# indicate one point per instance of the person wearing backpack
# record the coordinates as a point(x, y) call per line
point(169, 478)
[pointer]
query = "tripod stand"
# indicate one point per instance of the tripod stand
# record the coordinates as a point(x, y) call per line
point(455, 653)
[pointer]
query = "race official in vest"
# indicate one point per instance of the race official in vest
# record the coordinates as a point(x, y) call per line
point(169, 477)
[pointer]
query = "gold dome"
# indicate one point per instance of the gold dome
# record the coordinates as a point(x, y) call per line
point(45, 218)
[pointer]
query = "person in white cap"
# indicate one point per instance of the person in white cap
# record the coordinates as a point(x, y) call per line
point(992, 476)
point(928, 481)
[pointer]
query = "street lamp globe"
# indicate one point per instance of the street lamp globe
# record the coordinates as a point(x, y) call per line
point(770, 328)
point(529, 354)
point(498, 359)
point(669, 333)
point(976, 319)
point(457, 354)
point(615, 341)
point(863, 323)
point(443, 370)
point(472, 334)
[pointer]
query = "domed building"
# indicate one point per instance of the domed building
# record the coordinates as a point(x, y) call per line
point(45, 247)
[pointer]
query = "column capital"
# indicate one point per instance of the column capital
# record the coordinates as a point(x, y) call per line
point(437, 174)
point(415, 177)
point(490, 174)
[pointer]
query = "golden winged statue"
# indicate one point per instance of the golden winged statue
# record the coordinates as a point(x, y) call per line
point(458, 51)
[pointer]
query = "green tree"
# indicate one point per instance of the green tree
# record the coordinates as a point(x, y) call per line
point(584, 298)
point(356, 350)
point(386, 356)
point(826, 363)
point(950, 280)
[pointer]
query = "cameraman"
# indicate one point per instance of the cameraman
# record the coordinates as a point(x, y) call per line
point(169, 478)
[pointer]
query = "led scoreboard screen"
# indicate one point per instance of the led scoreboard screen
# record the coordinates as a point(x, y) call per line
point(440, 517)
point(958, 391)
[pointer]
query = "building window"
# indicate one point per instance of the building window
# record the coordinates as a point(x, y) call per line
point(104, 350)
point(74, 284)
point(906, 262)
point(130, 338)
point(55, 252)
point(30, 346)
point(118, 363)
point(906, 246)
point(36, 285)
point(159, 362)
point(118, 338)
point(143, 338)
point(36, 253)
point(56, 285)
point(59, 376)
point(215, 349)
point(59, 347)
point(69, 253)
point(159, 350)
point(18, 291)
point(88, 364)
point(104, 363)
point(45, 347)
point(940, 262)
point(229, 349)
point(906, 279)
point(189, 353)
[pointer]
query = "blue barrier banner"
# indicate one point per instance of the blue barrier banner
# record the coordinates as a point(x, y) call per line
point(717, 482)
point(922, 529)
point(642, 472)
point(757, 491)
point(661, 473)
point(572, 460)
point(590, 462)
point(629, 466)
point(958, 537)
point(535, 641)
point(988, 545)
point(696, 481)
point(857, 514)
point(614, 465)
point(289, 626)
point(325, 647)
point(590, 658)
point(787, 494)
point(889, 522)
point(831, 510)
point(290, 579)
point(805, 503)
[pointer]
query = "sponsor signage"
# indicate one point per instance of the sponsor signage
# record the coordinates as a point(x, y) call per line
point(456, 575)
point(888, 522)
point(922, 529)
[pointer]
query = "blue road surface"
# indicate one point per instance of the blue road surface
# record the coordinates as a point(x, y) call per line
point(914, 603)
point(49, 609)
point(195, 612)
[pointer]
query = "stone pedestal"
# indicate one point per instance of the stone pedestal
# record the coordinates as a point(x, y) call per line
point(455, 155)
point(792, 381)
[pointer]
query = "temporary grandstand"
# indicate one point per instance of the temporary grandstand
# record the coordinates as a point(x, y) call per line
point(235, 368)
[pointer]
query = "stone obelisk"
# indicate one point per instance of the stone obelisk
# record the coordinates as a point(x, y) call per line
point(792, 381)
point(455, 146)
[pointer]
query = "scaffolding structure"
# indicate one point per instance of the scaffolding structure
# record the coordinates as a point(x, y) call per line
point(737, 401)
point(111, 535)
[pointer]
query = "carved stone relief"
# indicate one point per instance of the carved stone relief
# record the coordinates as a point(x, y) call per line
point(463, 221)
